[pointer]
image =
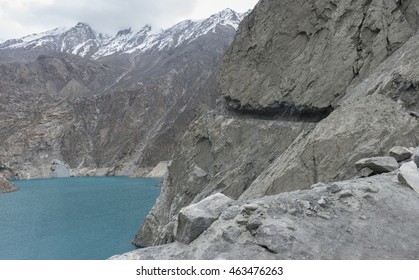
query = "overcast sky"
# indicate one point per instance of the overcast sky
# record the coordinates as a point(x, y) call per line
point(23, 17)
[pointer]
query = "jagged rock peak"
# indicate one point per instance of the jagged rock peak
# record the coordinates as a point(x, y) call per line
point(123, 32)
point(84, 41)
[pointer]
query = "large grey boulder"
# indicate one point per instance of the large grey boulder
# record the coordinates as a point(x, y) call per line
point(400, 153)
point(196, 218)
point(6, 186)
point(378, 164)
point(409, 175)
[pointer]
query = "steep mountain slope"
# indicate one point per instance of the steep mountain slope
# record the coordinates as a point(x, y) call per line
point(293, 63)
point(113, 114)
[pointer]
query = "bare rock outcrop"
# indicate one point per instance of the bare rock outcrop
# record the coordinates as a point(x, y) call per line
point(6, 186)
point(306, 53)
point(357, 219)
point(194, 219)
point(401, 153)
point(378, 164)
point(409, 175)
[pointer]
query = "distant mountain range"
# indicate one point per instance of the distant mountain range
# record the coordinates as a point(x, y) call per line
point(82, 40)
point(73, 99)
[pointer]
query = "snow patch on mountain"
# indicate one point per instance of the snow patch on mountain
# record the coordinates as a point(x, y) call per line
point(82, 40)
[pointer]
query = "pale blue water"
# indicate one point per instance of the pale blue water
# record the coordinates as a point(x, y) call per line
point(73, 218)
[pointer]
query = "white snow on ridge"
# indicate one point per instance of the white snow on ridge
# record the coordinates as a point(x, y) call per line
point(83, 41)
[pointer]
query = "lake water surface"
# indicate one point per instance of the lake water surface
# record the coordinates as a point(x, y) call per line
point(73, 218)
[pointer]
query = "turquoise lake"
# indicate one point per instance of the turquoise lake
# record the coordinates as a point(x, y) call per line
point(89, 218)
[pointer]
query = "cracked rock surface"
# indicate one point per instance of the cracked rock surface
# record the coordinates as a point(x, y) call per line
point(287, 52)
point(372, 218)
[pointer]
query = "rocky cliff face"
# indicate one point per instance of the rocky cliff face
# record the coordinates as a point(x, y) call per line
point(66, 114)
point(322, 72)
point(316, 50)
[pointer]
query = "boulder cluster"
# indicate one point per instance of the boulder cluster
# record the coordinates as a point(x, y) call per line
point(402, 160)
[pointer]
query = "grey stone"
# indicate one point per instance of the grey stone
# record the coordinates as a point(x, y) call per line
point(409, 175)
point(345, 194)
point(370, 189)
point(366, 172)
point(254, 224)
point(196, 218)
point(322, 201)
point(400, 153)
point(334, 188)
point(305, 204)
point(323, 215)
point(6, 186)
point(378, 164)
point(416, 156)
point(242, 220)
point(249, 208)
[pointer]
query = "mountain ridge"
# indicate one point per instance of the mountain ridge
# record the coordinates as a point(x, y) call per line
point(84, 41)
point(112, 115)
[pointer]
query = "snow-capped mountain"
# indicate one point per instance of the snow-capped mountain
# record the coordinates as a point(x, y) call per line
point(82, 40)
point(97, 101)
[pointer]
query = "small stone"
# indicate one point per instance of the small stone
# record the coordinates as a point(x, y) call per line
point(334, 188)
point(378, 164)
point(363, 217)
point(370, 189)
point(292, 211)
point(322, 201)
point(368, 197)
point(409, 175)
point(346, 194)
point(249, 208)
point(253, 225)
point(242, 220)
point(305, 204)
point(366, 172)
point(400, 153)
point(325, 216)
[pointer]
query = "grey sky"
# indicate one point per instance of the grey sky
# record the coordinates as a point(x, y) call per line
point(22, 17)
